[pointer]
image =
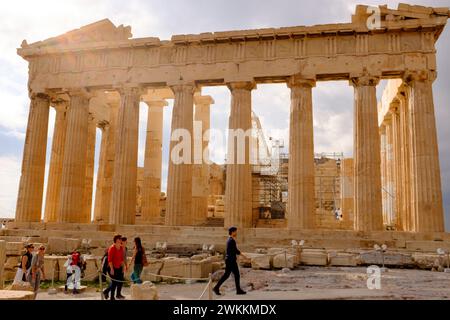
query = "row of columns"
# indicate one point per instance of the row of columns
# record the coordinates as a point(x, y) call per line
point(411, 158)
point(413, 136)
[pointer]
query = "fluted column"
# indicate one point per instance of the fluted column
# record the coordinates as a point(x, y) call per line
point(56, 162)
point(200, 175)
point(426, 193)
point(31, 187)
point(123, 202)
point(396, 170)
point(384, 187)
point(367, 181)
point(179, 184)
point(106, 165)
point(70, 204)
point(238, 188)
point(389, 174)
point(407, 221)
point(90, 161)
point(301, 194)
point(151, 186)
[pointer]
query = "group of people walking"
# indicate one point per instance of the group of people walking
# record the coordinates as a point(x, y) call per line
point(115, 264)
point(31, 267)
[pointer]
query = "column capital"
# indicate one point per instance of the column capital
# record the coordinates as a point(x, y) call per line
point(128, 89)
point(301, 81)
point(421, 75)
point(203, 100)
point(365, 80)
point(60, 105)
point(156, 103)
point(188, 87)
point(241, 85)
point(39, 95)
point(78, 92)
point(394, 106)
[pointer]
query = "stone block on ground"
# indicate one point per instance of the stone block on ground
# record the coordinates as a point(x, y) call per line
point(262, 261)
point(144, 291)
point(282, 260)
point(344, 260)
point(16, 295)
point(311, 257)
point(21, 286)
point(426, 261)
point(390, 258)
point(148, 273)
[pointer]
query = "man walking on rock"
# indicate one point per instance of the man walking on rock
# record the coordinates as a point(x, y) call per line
point(231, 265)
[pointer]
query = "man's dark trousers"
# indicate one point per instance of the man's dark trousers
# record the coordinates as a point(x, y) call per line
point(118, 276)
point(231, 266)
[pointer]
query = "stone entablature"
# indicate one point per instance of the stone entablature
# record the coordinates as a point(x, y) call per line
point(326, 52)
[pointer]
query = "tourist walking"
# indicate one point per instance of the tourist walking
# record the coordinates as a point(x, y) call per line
point(125, 267)
point(116, 267)
point(231, 265)
point(139, 259)
point(37, 270)
point(25, 264)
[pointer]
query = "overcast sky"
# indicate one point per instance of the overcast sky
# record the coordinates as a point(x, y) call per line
point(333, 107)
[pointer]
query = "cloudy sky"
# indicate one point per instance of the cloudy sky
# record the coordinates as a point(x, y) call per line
point(333, 109)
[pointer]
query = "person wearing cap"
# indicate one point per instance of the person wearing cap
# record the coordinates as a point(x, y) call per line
point(231, 265)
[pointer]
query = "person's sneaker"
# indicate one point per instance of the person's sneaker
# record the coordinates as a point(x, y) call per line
point(75, 291)
point(240, 292)
point(216, 291)
point(120, 297)
point(106, 295)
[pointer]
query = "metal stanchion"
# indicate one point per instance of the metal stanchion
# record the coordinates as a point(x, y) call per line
point(210, 289)
point(52, 290)
point(100, 275)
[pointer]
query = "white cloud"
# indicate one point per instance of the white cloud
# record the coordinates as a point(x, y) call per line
point(9, 184)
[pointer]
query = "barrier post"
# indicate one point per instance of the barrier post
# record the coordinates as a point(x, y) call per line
point(210, 291)
point(100, 275)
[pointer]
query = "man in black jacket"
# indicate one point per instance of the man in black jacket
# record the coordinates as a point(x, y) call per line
point(231, 265)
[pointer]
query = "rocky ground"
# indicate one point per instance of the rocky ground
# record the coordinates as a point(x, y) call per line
point(306, 283)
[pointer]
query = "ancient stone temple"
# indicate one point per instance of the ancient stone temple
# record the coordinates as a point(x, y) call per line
point(96, 77)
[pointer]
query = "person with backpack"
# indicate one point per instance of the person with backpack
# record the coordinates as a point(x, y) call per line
point(139, 259)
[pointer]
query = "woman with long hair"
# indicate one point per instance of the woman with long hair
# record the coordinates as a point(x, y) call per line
point(139, 259)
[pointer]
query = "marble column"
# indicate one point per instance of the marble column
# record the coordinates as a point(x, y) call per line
point(367, 181)
point(31, 187)
point(408, 222)
point(238, 188)
point(426, 193)
point(384, 188)
point(56, 162)
point(90, 162)
point(70, 204)
point(106, 166)
point(301, 194)
point(179, 183)
point(396, 170)
point(123, 201)
point(389, 186)
point(200, 178)
point(151, 185)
